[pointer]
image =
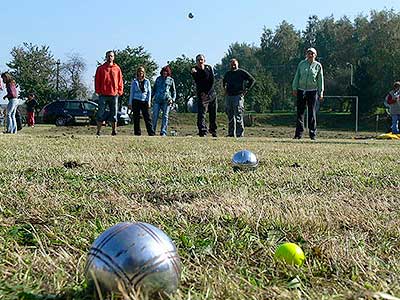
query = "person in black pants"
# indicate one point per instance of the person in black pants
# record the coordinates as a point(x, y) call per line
point(203, 76)
point(308, 88)
point(139, 101)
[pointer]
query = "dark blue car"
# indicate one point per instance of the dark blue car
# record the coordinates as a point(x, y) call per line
point(71, 112)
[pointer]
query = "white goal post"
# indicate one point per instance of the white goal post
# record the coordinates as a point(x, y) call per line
point(348, 97)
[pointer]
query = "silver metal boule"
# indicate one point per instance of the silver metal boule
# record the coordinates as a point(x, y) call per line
point(244, 160)
point(134, 257)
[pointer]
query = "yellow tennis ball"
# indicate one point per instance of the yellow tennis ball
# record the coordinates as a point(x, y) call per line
point(290, 253)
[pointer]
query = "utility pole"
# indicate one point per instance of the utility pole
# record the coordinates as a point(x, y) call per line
point(58, 76)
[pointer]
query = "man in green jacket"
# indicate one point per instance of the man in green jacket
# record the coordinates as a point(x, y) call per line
point(308, 87)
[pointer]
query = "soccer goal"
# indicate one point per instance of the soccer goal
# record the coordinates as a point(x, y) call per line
point(341, 104)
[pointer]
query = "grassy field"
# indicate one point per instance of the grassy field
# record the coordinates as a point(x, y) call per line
point(338, 198)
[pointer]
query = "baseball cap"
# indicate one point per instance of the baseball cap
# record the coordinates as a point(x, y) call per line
point(312, 50)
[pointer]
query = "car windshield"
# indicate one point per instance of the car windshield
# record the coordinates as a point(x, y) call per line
point(89, 106)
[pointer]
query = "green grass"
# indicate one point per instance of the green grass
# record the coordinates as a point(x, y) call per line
point(337, 198)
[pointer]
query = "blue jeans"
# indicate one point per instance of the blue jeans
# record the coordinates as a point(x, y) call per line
point(11, 111)
point(395, 124)
point(112, 103)
point(165, 108)
point(234, 107)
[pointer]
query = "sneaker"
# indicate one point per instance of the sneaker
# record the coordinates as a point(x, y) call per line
point(213, 134)
point(114, 133)
point(98, 133)
point(313, 138)
point(297, 137)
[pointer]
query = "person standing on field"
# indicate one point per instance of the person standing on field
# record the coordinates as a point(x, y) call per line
point(164, 93)
point(12, 105)
point(235, 91)
point(393, 100)
point(109, 86)
point(308, 87)
point(203, 76)
point(140, 101)
point(31, 104)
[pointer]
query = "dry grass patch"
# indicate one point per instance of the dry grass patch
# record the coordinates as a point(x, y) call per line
point(338, 199)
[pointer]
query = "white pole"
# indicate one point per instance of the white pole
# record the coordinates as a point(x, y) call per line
point(356, 114)
point(306, 118)
point(351, 75)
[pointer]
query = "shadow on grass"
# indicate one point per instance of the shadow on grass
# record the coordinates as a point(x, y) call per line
point(21, 293)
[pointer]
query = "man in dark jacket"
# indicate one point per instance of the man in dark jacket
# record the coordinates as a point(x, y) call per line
point(235, 90)
point(203, 76)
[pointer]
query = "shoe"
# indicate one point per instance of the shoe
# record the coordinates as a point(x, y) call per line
point(98, 133)
point(313, 138)
point(202, 134)
point(296, 137)
point(214, 134)
point(114, 133)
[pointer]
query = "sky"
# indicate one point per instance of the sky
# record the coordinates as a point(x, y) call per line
point(91, 27)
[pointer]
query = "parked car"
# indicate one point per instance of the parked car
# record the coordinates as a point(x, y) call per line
point(69, 112)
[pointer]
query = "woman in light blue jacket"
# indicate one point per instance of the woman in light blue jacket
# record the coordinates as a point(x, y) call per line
point(139, 101)
point(164, 96)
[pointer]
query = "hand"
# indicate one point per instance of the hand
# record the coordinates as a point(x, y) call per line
point(204, 97)
point(130, 106)
point(4, 98)
point(170, 101)
point(321, 97)
point(148, 105)
point(294, 93)
point(194, 70)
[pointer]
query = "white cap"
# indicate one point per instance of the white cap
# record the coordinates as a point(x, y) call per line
point(312, 50)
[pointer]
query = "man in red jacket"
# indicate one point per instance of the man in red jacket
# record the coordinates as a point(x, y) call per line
point(109, 86)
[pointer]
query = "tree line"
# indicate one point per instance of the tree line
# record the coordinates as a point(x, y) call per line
point(360, 58)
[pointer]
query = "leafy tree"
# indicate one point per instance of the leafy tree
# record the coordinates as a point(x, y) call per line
point(280, 55)
point(33, 68)
point(310, 33)
point(184, 83)
point(377, 63)
point(71, 81)
point(263, 92)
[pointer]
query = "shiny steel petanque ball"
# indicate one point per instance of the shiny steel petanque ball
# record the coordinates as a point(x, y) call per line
point(244, 160)
point(133, 258)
